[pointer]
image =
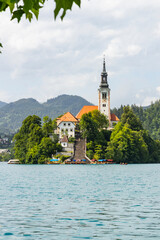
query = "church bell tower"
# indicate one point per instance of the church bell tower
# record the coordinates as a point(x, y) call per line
point(104, 93)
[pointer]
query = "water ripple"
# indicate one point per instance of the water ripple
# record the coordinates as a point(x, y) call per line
point(79, 202)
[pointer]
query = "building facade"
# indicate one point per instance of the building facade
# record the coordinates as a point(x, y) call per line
point(66, 125)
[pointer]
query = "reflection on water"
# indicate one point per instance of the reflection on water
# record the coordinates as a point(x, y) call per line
point(79, 202)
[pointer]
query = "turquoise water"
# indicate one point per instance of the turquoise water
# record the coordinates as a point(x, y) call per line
point(66, 202)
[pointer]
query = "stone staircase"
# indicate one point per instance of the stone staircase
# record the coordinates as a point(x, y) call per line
point(79, 149)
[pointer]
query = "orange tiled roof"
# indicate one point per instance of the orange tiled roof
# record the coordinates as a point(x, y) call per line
point(86, 109)
point(67, 117)
point(114, 117)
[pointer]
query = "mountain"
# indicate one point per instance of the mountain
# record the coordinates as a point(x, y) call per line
point(2, 104)
point(12, 114)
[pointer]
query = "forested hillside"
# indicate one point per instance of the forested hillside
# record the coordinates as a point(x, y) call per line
point(2, 104)
point(12, 114)
point(150, 117)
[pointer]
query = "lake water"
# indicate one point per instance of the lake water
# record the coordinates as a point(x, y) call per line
point(65, 202)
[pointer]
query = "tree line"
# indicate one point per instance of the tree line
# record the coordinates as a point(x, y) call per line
point(128, 142)
point(149, 116)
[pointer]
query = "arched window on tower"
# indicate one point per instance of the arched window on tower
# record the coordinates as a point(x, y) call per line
point(104, 95)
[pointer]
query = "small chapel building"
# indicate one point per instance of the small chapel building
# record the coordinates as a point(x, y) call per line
point(67, 123)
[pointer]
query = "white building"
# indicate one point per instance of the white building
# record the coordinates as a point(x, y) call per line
point(66, 125)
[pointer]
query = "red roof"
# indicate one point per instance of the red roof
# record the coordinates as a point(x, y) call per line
point(67, 117)
point(86, 109)
point(114, 117)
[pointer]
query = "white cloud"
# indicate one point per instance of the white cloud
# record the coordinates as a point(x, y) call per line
point(133, 50)
point(4, 96)
point(158, 89)
point(148, 100)
point(117, 48)
point(46, 58)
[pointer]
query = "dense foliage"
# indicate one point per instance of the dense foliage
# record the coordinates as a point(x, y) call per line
point(32, 143)
point(130, 143)
point(12, 114)
point(94, 127)
point(149, 116)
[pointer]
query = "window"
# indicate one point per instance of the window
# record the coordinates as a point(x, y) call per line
point(62, 130)
point(64, 124)
point(69, 124)
point(104, 105)
point(71, 130)
point(104, 95)
point(67, 129)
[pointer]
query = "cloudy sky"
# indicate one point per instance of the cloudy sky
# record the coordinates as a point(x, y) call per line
point(47, 58)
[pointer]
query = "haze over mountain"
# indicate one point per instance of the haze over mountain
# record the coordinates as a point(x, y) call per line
point(12, 114)
point(2, 104)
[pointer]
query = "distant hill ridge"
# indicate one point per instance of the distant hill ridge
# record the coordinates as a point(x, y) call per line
point(12, 114)
point(2, 104)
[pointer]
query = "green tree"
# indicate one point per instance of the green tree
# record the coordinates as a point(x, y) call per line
point(92, 124)
point(32, 143)
point(47, 127)
point(127, 145)
point(29, 135)
point(89, 127)
point(99, 152)
point(130, 143)
point(47, 147)
point(131, 119)
point(33, 155)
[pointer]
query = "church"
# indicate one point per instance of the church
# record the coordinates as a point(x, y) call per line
point(67, 123)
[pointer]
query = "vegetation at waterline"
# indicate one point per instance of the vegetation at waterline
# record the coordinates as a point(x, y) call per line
point(6, 156)
point(128, 142)
point(33, 144)
point(149, 116)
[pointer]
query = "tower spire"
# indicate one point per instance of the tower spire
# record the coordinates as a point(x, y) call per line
point(104, 93)
point(104, 64)
point(104, 75)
